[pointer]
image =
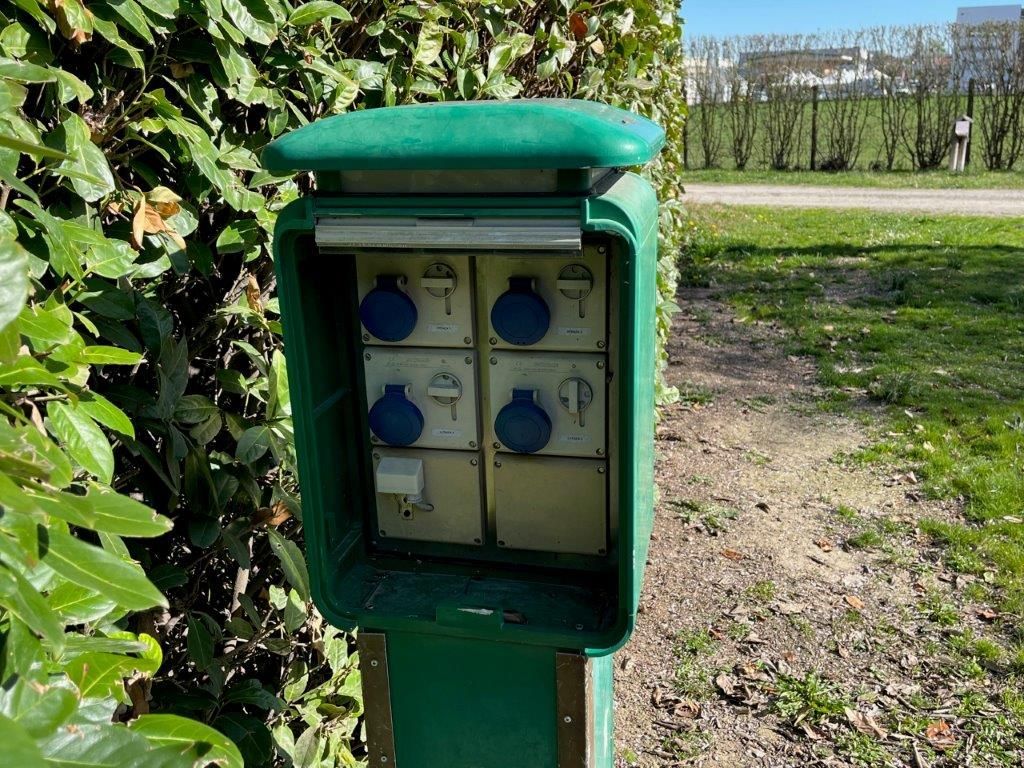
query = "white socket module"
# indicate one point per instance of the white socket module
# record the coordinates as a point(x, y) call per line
point(573, 287)
point(570, 389)
point(440, 383)
point(439, 285)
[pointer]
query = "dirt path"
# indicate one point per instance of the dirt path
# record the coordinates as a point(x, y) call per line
point(755, 578)
point(973, 202)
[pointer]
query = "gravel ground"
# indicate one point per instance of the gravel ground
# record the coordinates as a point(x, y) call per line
point(967, 202)
point(751, 579)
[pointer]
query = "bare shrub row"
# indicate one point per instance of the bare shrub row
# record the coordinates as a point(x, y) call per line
point(882, 97)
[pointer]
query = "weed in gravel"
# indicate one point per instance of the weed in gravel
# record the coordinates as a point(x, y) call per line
point(695, 394)
point(692, 673)
point(809, 699)
point(863, 750)
point(937, 610)
point(694, 642)
point(866, 539)
point(757, 458)
point(847, 513)
point(762, 591)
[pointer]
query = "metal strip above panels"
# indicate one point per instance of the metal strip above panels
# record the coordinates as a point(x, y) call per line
point(340, 233)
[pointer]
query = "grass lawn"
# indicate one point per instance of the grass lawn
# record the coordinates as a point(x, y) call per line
point(977, 178)
point(922, 314)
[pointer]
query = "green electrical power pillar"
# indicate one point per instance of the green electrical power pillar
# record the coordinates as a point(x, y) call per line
point(468, 300)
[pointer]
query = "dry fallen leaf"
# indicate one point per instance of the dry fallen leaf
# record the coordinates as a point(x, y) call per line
point(940, 735)
point(578, 26)
point(252, 295)
point(824, 545)
point(727, 685)
point(274, 515)
point(865, 723)
point(854, 602)
point(732, 554)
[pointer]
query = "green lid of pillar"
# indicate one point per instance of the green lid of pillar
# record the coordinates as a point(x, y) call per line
point(475, 135)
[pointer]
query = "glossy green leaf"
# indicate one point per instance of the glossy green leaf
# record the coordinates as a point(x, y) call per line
point(318, 10)
point(83, 439)
point(87, 158)
point(21, 598)
point(97, 407)
point(104, 510)
point(103, 355)
point(95, 568)
point(19, 749)
point(185, 733)
point(292, 562)
point(253, 443)
point(200, 643)
point(39, 710)
point(13, 280)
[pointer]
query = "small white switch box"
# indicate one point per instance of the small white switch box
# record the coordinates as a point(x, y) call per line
point(402, 477)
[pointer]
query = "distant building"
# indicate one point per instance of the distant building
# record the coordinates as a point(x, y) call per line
point(985, 14)
point(970, 45)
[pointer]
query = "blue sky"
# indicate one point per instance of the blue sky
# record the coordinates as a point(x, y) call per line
point(746, 17)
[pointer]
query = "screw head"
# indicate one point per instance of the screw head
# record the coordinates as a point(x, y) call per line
point(494, 361)
point(476, 541)
point(501, 543)
point(497, 464)
point(579, 627)
point(492, 341)
point(367, 356)
point(600, 345)
point(472, 443)
point(567, 719)
point(601, 249)
point(383, 532)
point(601, 551)
point(383, 758)
point(600, 451)
point(600, 470)
point(469, 360)
point(473, 462)
point(600, 364)
point(467, 340)
point(376, 456)
point(374, 663)
point(497, 445)
point(366, 337)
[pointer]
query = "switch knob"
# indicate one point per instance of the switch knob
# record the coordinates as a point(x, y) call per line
point(520, 316)
point(387, 312)
point(394, 418)
point(575, 395)
point(522, 425)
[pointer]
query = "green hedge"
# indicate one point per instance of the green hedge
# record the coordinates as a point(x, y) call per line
point(141, 371)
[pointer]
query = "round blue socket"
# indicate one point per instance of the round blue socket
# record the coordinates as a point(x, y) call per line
point(520, 316)
point(396, 420)
point(523, 426)
point(387, 312)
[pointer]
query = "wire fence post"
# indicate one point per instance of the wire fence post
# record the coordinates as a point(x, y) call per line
point(970, 114)
point(814, 127)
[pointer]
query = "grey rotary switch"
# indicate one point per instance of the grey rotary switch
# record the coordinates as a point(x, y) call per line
point(445, 389)
point(439, 281)
point(575, 282)
point(575, 395)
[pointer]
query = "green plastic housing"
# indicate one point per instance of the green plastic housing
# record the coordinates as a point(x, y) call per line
point(552, 601)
